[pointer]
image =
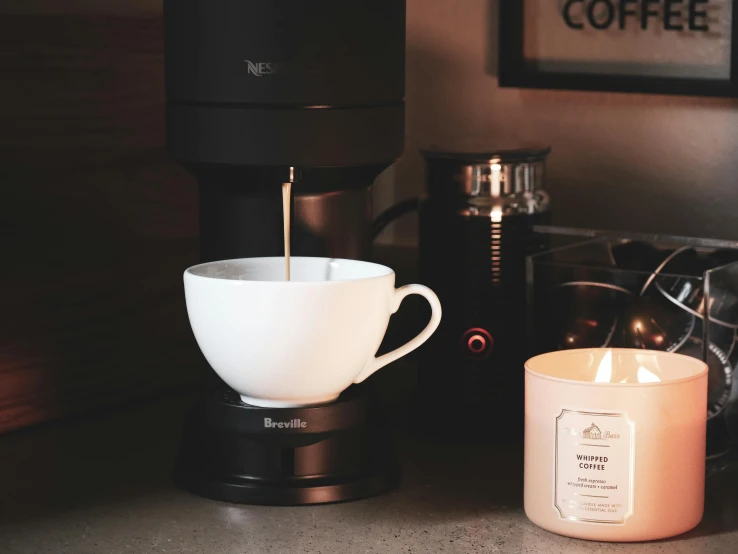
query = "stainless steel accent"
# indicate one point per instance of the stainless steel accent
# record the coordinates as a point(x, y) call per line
point(493, 184)
point(498, 207)
point(661, 266)
point(715, 299)
point(643, 237)
point(500, 187)
point(294, 175)
point(498, 178)
point(594, 284)
point(338, 222)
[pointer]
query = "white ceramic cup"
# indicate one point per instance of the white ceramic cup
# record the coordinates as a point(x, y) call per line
point(297, 343)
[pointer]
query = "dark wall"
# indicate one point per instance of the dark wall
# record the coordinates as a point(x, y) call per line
point(620, 161)
point(97, 224)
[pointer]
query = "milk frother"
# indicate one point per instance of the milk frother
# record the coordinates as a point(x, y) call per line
point(476, 229)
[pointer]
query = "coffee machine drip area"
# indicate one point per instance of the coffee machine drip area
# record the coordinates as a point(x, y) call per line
point(241, 211)
point(261, 93)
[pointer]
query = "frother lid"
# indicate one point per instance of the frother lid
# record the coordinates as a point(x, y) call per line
point(487, 173)
point(516, 153)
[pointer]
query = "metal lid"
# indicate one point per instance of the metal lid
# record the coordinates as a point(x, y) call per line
point(516, 154)
point(487, 174)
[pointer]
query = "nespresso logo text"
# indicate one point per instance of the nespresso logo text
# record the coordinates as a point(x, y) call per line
point(260, 69)
point(291, 424)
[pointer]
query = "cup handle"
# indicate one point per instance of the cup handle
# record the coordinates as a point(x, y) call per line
point(435, 319)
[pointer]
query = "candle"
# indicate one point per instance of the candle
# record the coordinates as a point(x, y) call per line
point(615, 443)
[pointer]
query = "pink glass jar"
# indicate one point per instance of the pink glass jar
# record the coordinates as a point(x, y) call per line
point(615, 443)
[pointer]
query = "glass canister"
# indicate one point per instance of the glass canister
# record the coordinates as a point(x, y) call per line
point(615, 443)
point(476, 229)
point(598, 288)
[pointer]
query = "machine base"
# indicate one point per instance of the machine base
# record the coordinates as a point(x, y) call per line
point(320, 491)
point(286, 456)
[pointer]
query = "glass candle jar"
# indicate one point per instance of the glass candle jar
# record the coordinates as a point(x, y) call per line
point(615, 443)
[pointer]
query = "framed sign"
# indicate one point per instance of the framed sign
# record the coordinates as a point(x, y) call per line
point(656, 46)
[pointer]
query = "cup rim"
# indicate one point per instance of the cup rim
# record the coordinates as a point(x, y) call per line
point(387, 271)
point(704, 368)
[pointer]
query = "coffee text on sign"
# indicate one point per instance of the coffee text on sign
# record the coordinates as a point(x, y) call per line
point(605, 14)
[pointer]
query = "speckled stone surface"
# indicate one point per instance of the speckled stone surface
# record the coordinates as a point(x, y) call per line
point(101, 486)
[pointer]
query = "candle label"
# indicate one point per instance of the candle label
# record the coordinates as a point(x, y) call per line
point(593, 473)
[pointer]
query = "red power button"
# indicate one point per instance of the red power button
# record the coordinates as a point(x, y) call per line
point(477, 343)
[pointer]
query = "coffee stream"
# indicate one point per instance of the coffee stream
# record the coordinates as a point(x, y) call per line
point(286, 194)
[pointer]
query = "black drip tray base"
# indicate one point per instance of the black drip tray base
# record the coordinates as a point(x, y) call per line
point(332, 453)
point(319, 491)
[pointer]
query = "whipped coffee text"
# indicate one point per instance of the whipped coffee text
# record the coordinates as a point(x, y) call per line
point(592, 462)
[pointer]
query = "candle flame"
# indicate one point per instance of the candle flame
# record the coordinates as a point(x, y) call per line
point(646, 376)
point(604, 371)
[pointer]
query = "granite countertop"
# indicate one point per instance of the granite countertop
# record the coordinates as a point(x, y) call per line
point(102, 485)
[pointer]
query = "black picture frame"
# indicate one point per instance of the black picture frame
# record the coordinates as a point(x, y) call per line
point(515, 71)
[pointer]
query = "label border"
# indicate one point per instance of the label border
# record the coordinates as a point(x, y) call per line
point(631, 488)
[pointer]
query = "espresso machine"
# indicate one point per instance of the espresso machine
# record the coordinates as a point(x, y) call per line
point(260, 93)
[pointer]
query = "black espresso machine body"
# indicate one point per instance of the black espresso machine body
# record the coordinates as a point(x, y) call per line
point(260, 93)
point(476, 230)
point(256, 87)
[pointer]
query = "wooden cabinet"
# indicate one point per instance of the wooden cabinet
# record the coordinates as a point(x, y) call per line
point(96, 223)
